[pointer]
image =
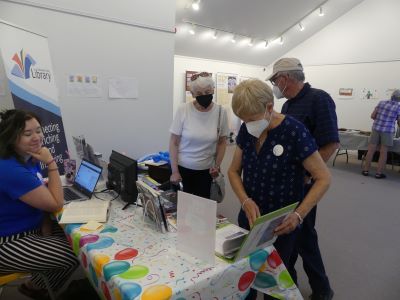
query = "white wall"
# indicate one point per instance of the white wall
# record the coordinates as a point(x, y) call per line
point(361, 50)
point(5, 96)
point(82, 45)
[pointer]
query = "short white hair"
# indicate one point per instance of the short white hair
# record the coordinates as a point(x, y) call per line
point(201, 83)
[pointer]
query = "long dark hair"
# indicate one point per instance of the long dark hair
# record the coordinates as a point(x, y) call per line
point(12, 125)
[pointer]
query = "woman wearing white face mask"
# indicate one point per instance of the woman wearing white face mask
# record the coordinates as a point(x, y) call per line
point(268, 168)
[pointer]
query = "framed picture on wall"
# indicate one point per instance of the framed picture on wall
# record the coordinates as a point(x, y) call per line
point(346, 93)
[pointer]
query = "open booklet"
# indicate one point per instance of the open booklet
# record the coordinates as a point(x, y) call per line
point(234, 243)
point(85, 211)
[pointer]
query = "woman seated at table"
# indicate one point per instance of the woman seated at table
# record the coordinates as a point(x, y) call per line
point(273, 151)
point(24, 200)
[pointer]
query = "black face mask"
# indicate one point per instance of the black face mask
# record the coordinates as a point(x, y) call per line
point(204, 100)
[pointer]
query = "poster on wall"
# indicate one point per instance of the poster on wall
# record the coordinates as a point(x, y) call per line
point(345, 93)
point(226, 84)
point(188, 94)
point(28, 68)
point(87, 86)
point(369, 94)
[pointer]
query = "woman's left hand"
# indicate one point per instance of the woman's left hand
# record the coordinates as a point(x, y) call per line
point(214, 171)
point(288, 225)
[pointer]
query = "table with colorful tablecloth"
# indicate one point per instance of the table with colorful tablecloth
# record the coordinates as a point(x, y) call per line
point(128, 259)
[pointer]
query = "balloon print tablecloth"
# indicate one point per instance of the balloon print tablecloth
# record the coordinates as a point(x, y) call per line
point(127, 259)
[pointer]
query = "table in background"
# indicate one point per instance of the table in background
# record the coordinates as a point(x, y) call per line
point(128, 259)
point(353, 140)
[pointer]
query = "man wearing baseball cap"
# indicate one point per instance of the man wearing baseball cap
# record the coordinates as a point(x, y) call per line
point(317, 111)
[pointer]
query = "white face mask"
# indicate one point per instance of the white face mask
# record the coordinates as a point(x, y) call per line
point(256, 128)
point(277, 92)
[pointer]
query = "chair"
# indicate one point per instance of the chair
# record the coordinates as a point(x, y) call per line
point(5, 279)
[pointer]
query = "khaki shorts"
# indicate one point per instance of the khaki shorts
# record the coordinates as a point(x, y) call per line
point(381, 138)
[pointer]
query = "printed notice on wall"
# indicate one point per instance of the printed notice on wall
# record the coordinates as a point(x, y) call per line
point(79, 85)
point(369, 94)
point(123, 88)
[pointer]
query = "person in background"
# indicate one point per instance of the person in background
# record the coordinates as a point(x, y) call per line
point(24, 199)
point(317, 111)
point(385, 115)
point(196, 149)
point(273, 151)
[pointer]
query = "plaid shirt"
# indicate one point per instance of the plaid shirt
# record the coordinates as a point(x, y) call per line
point(388, 111)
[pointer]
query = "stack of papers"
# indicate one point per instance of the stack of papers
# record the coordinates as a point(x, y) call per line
point(229, 238)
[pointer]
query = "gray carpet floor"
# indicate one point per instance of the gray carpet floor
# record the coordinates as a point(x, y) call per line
point(358, 224)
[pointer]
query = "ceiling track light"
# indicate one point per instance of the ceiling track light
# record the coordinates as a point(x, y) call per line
point(281, 40)
point(233, 40)
point(191, 30)
point(301, 27)
point(196, 4)
point(251, 42)
point(321, 12)
point(266, 44)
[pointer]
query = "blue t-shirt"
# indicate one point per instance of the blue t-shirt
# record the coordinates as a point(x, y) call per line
point(16, 180)
point(274, 178)
point(317, 111)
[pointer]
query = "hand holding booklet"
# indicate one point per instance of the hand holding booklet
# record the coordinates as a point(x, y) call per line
point(85, 211)
point(234, 243)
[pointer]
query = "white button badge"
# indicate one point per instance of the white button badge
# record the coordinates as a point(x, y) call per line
point(278, 150)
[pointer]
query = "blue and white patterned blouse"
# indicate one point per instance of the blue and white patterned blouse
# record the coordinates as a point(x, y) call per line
point(274, 178)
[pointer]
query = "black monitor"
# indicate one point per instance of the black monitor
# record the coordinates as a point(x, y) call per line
point(122, 176)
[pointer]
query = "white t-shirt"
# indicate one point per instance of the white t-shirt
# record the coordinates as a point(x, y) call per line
point(198, 132)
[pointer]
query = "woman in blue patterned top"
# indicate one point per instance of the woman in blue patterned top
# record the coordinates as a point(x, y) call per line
point(268, 168)
point(24, 246)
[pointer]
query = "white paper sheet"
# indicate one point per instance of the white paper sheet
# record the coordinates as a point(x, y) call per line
point(87, 86)
point(123, 88)
point(197, 226)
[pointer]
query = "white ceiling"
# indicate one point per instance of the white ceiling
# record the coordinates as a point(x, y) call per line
point(261, 20)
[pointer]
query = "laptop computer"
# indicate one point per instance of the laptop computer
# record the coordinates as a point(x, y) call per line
point(235, 243)
point(84, 183)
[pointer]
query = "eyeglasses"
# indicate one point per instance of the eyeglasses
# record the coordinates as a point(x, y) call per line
point(197, 75)
point(274, 79)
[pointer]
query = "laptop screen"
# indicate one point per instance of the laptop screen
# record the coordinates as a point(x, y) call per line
point(87, 176)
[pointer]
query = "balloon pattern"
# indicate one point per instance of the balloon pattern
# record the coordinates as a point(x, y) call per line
point(127, 259)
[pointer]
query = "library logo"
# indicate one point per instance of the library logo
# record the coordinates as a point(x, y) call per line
point(24, 69)
point(23, 64)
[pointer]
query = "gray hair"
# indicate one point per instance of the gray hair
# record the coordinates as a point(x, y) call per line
point(295, 74)
point(201, 83)
point(396, 95)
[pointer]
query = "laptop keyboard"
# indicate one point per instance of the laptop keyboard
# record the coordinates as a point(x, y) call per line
point(70, 195)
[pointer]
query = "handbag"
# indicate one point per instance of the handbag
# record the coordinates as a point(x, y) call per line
point(217, 190)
